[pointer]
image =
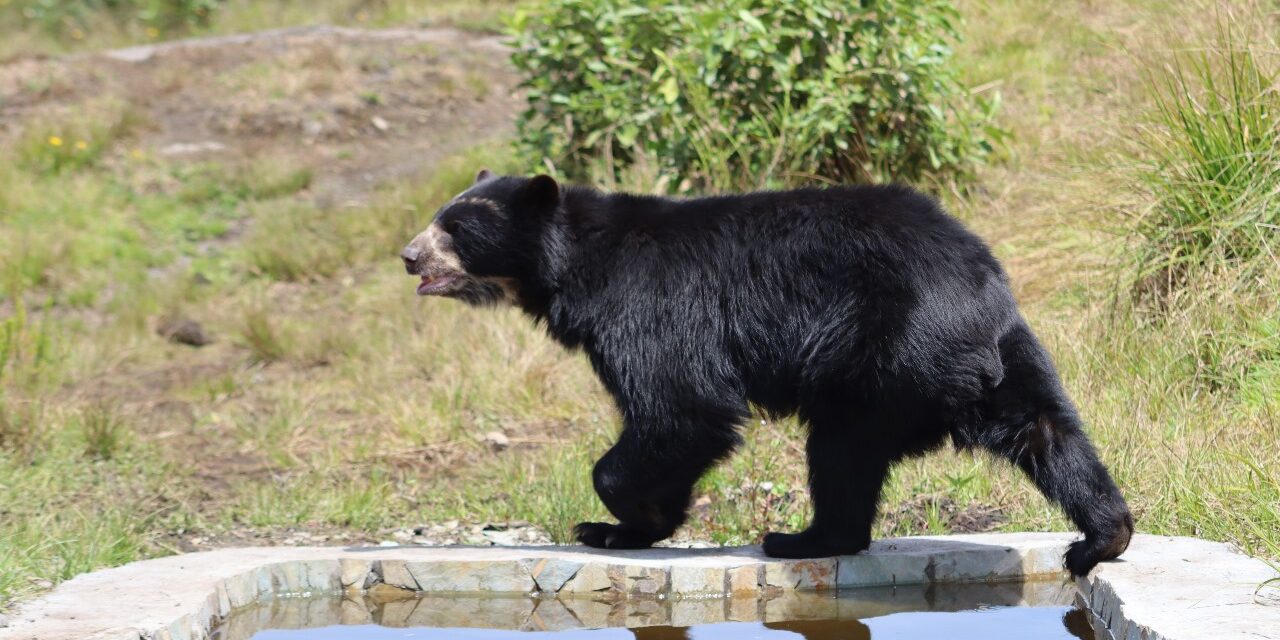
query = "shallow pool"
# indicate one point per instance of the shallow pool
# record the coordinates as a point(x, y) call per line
point(1028, 611)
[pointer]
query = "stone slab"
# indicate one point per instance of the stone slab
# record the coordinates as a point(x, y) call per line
point(1170, 588)
point(1164, 588)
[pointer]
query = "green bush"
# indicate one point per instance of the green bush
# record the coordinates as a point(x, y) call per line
point(747, 93)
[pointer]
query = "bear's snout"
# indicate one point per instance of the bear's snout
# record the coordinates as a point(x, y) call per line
point(410, 256)
point(431, 256)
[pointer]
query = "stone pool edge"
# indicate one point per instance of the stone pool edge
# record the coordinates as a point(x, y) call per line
point(1159, 591)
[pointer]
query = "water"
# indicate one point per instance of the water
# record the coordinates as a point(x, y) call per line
point(968, 612)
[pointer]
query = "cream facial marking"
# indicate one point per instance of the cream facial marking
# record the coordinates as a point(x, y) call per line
point(431, 256)
point(491, 205)
point(444, 254)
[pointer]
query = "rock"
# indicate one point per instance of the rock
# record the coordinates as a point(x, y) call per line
point(497, 440)
point(132, 54)
point(503, 538)
point(701, 581)
point(191, 148)
point(550, 574)
point(397, 574)
point(183, 331)
point(380, 124)
point(471, 577)
point(801, 574)
point(643, 581)
point(588, 579)
point(354, 572)
point(745, 579)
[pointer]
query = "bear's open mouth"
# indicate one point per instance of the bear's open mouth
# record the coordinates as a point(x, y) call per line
point(436, 284)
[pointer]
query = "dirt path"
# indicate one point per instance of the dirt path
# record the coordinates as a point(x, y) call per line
point(358, 108)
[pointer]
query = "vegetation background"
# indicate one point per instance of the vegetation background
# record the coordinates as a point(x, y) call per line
point(251, 197)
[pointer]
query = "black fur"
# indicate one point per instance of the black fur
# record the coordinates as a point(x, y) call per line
point(877, 318)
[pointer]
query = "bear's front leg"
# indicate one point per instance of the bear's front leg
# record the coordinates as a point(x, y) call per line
point(646, 485)
point(845, 476)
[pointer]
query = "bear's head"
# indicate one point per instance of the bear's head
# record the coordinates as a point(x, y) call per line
point(484, 243)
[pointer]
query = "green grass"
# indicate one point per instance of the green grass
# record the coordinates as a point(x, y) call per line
point(1212, 162)
point(68, 509)
point(94, 29)
point(333, 398)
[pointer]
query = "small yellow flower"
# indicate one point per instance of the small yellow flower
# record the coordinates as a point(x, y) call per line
point(82, 145)
point(136, 154)
point(77, 34)
point(55, 141)
point(153, 32)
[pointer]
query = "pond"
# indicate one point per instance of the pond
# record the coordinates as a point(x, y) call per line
point(1026, 611)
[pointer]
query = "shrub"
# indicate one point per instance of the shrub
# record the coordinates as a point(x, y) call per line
point(742, 93)
point(1211, 167)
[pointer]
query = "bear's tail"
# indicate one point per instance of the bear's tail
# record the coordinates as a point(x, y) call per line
point(1030, 421)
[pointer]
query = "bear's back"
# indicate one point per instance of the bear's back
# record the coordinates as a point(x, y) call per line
point(860, 231)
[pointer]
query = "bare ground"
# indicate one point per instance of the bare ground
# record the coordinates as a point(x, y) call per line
point(358, 108)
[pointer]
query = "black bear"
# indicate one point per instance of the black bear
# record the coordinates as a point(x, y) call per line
point(867, 311)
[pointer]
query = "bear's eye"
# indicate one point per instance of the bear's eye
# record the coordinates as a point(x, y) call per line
point(451, 226)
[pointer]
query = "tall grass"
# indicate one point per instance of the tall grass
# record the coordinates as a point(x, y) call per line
point(1214, 172)
point(1205, 259)
point(1196, 343)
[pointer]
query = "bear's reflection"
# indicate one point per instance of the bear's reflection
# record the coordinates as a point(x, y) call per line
point(807, 629)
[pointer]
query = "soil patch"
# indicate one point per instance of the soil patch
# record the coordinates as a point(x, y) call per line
point(357, 108)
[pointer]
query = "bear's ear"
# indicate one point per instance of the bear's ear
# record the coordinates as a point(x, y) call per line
point(484, 174)
point(542, 191)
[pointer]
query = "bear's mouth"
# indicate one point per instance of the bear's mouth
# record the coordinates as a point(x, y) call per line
point(435, 285)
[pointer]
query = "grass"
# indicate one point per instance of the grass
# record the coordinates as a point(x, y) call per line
point(1214, 181)
point(69, 30)
point(332, 399)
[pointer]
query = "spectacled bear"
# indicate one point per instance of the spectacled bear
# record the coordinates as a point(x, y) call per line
point(867, 311)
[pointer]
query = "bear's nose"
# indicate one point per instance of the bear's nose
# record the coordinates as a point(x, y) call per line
point(410, 256)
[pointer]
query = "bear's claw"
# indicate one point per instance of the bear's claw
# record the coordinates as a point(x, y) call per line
point(603, 535)
point(808, 544)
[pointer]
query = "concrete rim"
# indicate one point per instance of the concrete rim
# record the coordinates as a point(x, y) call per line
point(1163, 587)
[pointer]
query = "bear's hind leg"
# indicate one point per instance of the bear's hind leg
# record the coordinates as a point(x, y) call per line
point(846, 474)
point(1055, 453)
point(1030, 421)
point(646, 484)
